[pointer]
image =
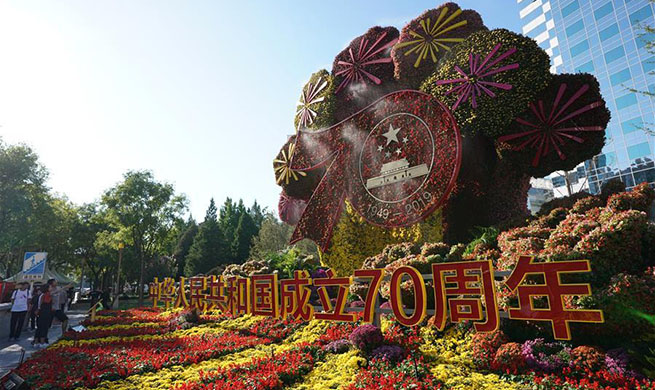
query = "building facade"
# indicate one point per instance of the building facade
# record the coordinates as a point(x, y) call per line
point(604, 38)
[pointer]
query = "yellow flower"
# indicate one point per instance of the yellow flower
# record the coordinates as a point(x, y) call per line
point(336, 372)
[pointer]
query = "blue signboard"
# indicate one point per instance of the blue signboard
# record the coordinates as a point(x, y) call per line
point(34, 265)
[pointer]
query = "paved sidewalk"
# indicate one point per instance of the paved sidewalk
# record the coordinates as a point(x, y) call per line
point(11, 351)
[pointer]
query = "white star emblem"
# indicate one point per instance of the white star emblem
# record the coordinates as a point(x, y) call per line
point(387, 154)
point(380, 148)
point(398, 151)
point(405, 140)
point(391, 135)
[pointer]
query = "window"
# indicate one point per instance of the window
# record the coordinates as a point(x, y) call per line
point(614, 54)
point(626, 101)
point(580, 48)
point(566, 11)
point(574, 28)
point(642, 15)
point(627, 180)
point(631, 125)
point(620, 77)
point(649, 64)
point(558, 181)
point(643, 39)
point(586, 68)
point(606, 160)
point(645, 176)
point(603, 11)
point(609, 32)
point(639, 150)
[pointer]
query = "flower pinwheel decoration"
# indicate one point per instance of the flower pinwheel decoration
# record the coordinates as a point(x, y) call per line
point(309, 97)
point(354, 70)
point(551, 128)
point(283, 172)
point(429, 39)
point(477, 81)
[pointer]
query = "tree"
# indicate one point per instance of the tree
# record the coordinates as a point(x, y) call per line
point(22, 193)
point(145, 211)
point(273, 236)
point(208, 248)
point(184, 245)
point(243, 235)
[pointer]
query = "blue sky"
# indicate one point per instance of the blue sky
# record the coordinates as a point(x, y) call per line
point(202, 93)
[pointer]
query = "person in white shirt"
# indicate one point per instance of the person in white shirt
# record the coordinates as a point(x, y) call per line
point(20, 302)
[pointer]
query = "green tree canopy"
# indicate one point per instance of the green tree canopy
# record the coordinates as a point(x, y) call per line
point(145, 211)
point(208, 249)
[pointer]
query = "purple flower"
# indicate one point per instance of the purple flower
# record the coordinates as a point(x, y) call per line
point(359, 303)
point(366, 337)
point(385, 305)
point(477, 80)
point(337, 346)
point(390, 353)
point(547, 357)
point(319, 273)
point(616, 361)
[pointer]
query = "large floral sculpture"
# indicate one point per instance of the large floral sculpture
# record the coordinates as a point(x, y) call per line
point(516, 120)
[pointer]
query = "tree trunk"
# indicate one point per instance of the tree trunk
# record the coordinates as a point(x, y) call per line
point(141, 281)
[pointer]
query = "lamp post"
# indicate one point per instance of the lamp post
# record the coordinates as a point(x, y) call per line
point(118, 274)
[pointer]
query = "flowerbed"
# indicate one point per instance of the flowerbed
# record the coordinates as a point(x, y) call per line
point(261, 353)
point(88, 365)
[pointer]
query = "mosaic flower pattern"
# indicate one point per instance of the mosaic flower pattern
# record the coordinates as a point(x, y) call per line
point(551, 128)
point(478, 79)
point(283, 173)
point(310, 96)
point(354, 69)
point(429, 39)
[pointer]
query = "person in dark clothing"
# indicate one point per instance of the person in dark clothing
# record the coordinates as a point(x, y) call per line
point(20, 301)
point(95, 296)
point(36, 293)
point(44, 311)
point(106, 299)
point(70, 294)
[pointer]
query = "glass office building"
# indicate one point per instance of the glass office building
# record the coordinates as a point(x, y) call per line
point(604, 38)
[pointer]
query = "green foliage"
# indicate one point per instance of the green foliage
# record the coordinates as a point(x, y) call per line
point(208, 248)
point(272, 237)
point(487, 236)
point(289, 260)
point(493, 114)
point(184, 245)
point(144, 211)
point(243, 235)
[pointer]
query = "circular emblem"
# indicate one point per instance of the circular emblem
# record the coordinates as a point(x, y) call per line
point(407, 166)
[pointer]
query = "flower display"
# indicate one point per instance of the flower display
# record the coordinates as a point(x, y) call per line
point(568, 119)
point(252, 352)
point(477, 80)
point(366, 337)
point(546, 357)
point(426, 39)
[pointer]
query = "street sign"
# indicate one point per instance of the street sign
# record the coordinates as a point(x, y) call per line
point(34, 265)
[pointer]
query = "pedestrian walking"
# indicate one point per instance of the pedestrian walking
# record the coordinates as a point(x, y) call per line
point(44, 313)
point(58, 301)
point(20, 301)
point(36, 293)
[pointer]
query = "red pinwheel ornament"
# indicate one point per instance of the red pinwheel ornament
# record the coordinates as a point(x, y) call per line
point(354, 69)
point(477, 80)
point(551, 127)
